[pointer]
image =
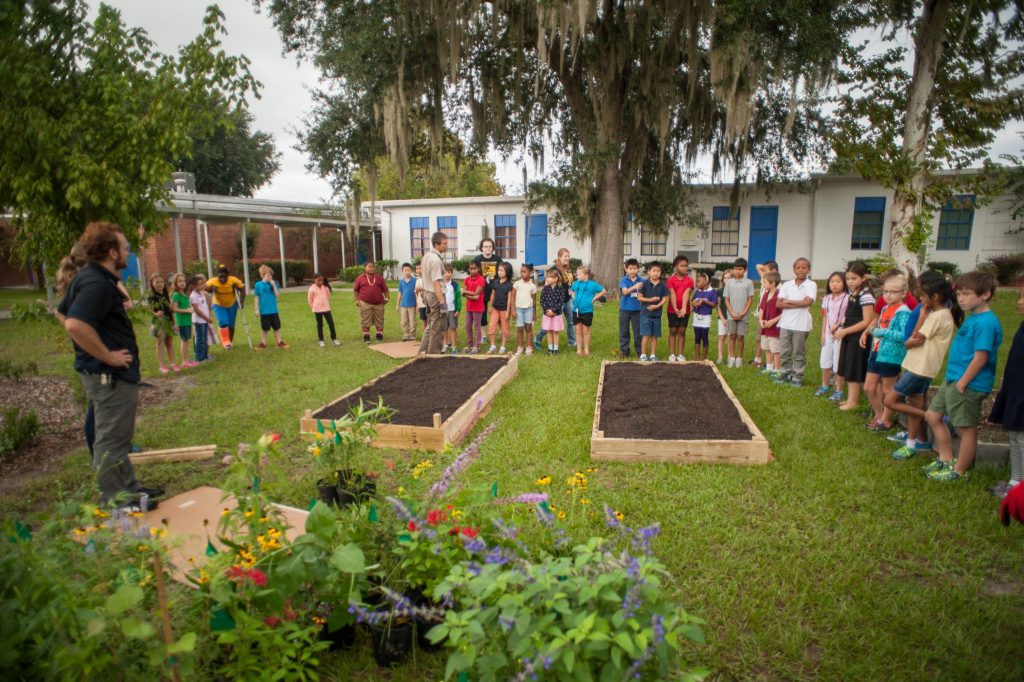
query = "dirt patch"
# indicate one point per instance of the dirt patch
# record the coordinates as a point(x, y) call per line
point(667, 402)
point(420, 388)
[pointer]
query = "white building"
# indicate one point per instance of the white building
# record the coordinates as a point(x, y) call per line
point(832, 220)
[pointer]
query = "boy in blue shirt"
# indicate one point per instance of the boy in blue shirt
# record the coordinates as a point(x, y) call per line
point(407, 303)
point(583, 292)
point(629, 308)
point(653, 296)
point(970, 376)
point(265, 294)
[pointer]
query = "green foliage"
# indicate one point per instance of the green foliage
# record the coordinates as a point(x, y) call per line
point(12, 369)
point(17, 429)
point(1007, 269)
point(24, 312)
point(198, 267)
point(295, 269)
point(460, 264)
point(945, 267)
point(93, 116)
point(337, 440)
point(877, 264)
point(231, 159)
point(386, 267)
point(350, 273)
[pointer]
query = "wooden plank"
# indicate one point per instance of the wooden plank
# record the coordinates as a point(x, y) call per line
point(174, 454)
point(595, 431)
point(461, 422)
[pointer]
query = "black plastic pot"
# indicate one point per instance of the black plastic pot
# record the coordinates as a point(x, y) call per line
point(342, 638)
point(392, 643)
point(345, 497)
point(424, 644)
point(327, 493)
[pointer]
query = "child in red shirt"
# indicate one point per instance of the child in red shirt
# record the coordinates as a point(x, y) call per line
point(680, 291)
point(474, 295)
point(768, 316)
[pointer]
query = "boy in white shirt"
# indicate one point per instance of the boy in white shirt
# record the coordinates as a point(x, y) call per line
point(795, 300)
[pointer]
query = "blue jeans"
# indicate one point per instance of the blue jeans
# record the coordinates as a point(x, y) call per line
point(201, 341)
point(629, 320)
point(570, 328)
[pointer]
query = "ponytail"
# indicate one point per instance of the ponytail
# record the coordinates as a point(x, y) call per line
point(932, 283)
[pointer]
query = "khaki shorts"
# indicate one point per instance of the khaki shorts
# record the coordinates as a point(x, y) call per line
point(963, 409)
point(371, 315)
point(770, 344)
point(737, 327)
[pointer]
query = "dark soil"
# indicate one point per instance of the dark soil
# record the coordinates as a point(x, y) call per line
point(667, 402)
point(421, 388)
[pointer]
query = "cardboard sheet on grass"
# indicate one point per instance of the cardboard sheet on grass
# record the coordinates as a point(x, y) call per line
point(186, 536)
point(397, 349)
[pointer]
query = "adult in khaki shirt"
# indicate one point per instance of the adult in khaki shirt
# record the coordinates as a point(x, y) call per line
point(433, 295)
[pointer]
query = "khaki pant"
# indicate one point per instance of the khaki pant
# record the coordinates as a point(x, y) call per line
point(437, 325)
point(408, 323)
point(371, 315)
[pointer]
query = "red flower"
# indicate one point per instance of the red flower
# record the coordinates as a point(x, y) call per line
point(258, 577)
point(274, 437)
point(289, 613)
point(236, 573)
point(436, 516)
point(470, 532)
point(390, 464)
point(454, 530)
point(271, 621)
point(412, 526)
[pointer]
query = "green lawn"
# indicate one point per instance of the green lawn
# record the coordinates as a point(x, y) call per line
point(835, 562)
point(9, 297)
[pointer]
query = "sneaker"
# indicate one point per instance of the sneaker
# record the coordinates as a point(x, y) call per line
point(228, 346)
point(837, 397)
point(755, 362)
point(898, 437)
point(935, 465)
point(796, 383)
point(261, 346)
point(923, 446)
point(536, 344)
point(643, 358)
point(653, 358)
point(164, 369)
point(191, 363)
point(134, 505)
point(323, 345)
point(529, 350)
point(948, 475)
point(671, 358)
point(904, 453)
point(336, 342)
point(718, 361)
point(767, 371)
point(680, 358)
point(781, 378)
point(152, 492)
point(821, 392)
point(998, 490)
point(491, 349)
point(501, 351)
point(453, 350)
point(519, 351)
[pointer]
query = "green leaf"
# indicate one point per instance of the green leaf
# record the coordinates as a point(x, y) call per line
point(123, 599)
point(569, 657)
point(94, 627)
point(321, 522)
point(349, 559)
point(134, 628)
point(186, 644)
point(626, 642)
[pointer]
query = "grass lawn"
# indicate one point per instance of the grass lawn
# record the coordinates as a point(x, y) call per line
point(9, 297)
point(835, 562)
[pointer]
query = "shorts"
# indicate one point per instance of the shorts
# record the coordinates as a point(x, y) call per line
point(586, 319)
point(650, 326)
point(771, 344)
point(737, 327)
point(226, 316)
point(675, 321)
point(963, 409)
point(270, 321)
point(723, 328)
point(371, 315)
point(910, 385)
point(160, 329)
point(829, 358)
point(452, 321)
point(185, 332)
point(524, 316)
point(555, 323)
point(423, 314)
point(886, 370)
point(700, 336)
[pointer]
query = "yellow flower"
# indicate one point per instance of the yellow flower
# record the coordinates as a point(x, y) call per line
point(203, 577)
point(157, 532)
point(401, 490)
point(264, 519)
point(318, 620)
point(457, 514)
point(418, 470)
point(584, 500)
point(316, 452)
point(561, 514)
point(591, 470)
point(619, 515)
point(80, 531)
point(543, 480)
point(100, 514)
point(136, 515)
point(142, 548)
point(249, 514)
point(319, 436)
point(225, 512)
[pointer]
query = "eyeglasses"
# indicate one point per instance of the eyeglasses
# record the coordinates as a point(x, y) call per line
point(894, 293)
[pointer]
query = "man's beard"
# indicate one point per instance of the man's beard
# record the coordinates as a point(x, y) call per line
point(121, 263)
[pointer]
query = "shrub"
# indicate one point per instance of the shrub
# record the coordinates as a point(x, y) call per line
point(575, 263)
point(295, 269)
point(461, 264)
point(723, 266)
point(350, 273)
point(945, 267)
point(880, 263)
point(198, 267)
point(17, 429)
point(387, 267)
point(1008, 268)
point(28, 312)
point(11, 369)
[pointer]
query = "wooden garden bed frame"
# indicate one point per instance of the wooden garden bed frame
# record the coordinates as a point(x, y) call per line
point(432, 438)
point(754, 451)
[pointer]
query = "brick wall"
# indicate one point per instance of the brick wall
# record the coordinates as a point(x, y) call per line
point(12, 272)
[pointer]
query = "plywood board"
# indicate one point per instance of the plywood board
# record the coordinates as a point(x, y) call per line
point(753, 451)
point(397, 349)
point(174, 454)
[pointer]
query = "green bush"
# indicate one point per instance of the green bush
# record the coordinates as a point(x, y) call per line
point(17, 429)
point(880, 263)
point(1008, 269)
point(198, 267)
point(461, 264)
point(387, 267)
point(29, 312)
point(295, 269)
point(10, 369)
point(945, 267)
point(350, 273)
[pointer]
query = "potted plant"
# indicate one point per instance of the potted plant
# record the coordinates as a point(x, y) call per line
point(333, 448)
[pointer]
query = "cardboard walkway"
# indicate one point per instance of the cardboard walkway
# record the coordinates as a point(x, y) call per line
point(397, 349)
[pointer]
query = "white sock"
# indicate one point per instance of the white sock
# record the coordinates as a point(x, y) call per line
point(911, 442)
point(556, 347)
point(1012, 482)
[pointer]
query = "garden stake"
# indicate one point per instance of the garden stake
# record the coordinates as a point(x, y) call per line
point(165, 615)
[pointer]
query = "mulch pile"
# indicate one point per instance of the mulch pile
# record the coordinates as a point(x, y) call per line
point(422, 387)
point(667, 402)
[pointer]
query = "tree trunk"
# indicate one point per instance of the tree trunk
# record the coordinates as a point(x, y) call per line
point(606, 245)
point(908, 200)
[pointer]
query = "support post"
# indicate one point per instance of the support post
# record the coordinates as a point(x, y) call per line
point(280, 241)
point(341, 233)
point(245, 255)
point(177, 243)
point(209, 257)
point(316, 250)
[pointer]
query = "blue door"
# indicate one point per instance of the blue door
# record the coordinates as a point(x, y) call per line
point(132, 271)
point(537, 239)
point(764, 231)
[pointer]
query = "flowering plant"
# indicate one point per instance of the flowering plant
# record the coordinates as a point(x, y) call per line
point(334, 444)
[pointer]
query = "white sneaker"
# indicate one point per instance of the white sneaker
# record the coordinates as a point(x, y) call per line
point(502, 350)
point(671, 358)
point(491, 349)
point(643, 358)
point(519, 351)
point(529, 350)
point(680, 358)
point(322, 344)
point(336, 342)
point(653, 358)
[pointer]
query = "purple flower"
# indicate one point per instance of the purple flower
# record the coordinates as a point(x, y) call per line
point(403, 511)
point(461, 462)
point(475, 545)
point(473, 568)
point(497, 556)
point(525, 498)
point(506, 623)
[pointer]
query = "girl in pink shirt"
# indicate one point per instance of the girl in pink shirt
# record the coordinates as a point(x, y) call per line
point(319, 298)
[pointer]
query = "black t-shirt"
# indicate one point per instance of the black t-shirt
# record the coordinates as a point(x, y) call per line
point(488, 267)
point(501, 291)
point(93, 298)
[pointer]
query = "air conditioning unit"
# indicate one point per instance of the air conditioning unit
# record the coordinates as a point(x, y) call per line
point(182, 182)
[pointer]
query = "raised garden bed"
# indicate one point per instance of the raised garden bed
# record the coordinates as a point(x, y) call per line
point(672, 413)
point(437, 399)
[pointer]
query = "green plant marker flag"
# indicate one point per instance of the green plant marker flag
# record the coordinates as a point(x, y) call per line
point(337, 438)
point(545, 506)
point(21, 532)
point(372, 518)
point(319, 426)
point(210, 549)
point(404, 537)
point(494, 489)
point(463, 677)
point(221, 620)
point(312, 503)
point(256, 484)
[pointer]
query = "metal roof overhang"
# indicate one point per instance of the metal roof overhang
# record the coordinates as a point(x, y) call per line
point(284, 213)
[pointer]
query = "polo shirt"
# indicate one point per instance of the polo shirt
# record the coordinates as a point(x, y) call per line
point(737, 293)
point(797, 319)
point(373, 292)
point(630, 302)
point(981, 331)
point(652, 290)
point(680, 285)
point(407, 293)
point(93, 298)
point(583, 295)
point(770, 310)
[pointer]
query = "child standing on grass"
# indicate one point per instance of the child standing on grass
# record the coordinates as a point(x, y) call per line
point(200, 317)
point(887, 350)
point(500, 309)
point(762, 269)
point(182, 316)
point(453, 301)
point(475, 304)
point(1008, 409)
point(833, 311)
point(583, 292)
point(653, 297)
point(319, 299)
point(680, 291)
point(795, 300)
point(629, 308)
point(704, 302)
point(265, 294)
point(552, 303)
point(739, 296)
point(970, 375)
point(407, 303)
point(860, 312)
point(723, 315)
point(525, 305)
point(926, 349)
point(371, 295)
point(162, 328)
point(768, 316)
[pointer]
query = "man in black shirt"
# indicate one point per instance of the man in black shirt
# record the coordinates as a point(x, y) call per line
point(107, 360)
